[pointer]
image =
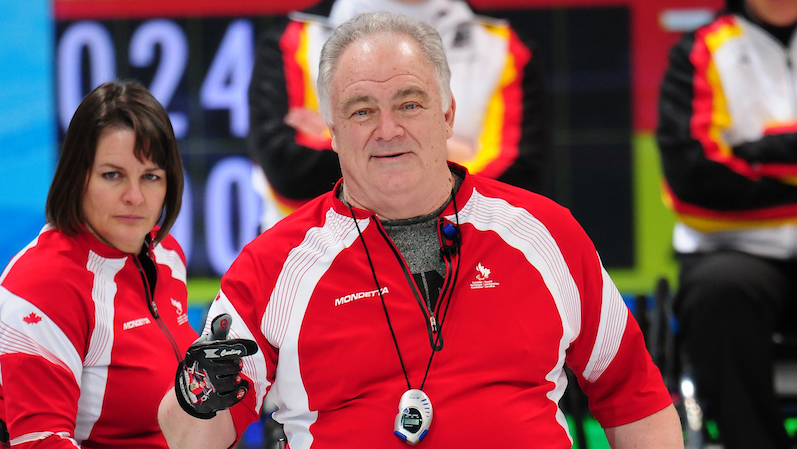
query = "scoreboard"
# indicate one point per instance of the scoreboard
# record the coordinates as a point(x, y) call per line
point(199, 69)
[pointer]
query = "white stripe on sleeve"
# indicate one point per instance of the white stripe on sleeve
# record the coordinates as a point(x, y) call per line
point(98, 356)
point(614, 316)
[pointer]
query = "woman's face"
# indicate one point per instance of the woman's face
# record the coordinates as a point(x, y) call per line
point(775, 12)
point(124, 196)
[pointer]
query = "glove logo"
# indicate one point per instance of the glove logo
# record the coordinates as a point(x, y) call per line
point(199, 385)
point(209, 378)
point(215, 353)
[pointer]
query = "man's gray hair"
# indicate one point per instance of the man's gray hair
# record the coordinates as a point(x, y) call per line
point(375, 23)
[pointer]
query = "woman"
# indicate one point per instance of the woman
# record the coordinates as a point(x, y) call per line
point(93, 311)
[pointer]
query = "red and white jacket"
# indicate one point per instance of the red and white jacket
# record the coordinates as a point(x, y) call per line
point(530, 295)
point(86, 354)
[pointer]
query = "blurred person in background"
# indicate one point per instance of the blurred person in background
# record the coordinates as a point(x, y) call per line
point(727, 134)
point(93, 311)
point(501, 130)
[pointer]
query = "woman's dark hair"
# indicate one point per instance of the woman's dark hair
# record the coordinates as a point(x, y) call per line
point(116, 104)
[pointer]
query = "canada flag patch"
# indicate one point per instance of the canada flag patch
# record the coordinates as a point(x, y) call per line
point(32, 318)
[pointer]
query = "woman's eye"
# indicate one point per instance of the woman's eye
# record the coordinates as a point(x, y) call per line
point(151, 177)
point(111, 175)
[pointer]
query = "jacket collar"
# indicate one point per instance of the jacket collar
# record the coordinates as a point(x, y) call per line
point(462, 195)
point(87, 239)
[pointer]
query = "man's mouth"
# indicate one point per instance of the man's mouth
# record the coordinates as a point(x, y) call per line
point(388, 156)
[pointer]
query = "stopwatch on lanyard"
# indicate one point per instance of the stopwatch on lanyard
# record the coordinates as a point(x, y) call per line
point(414, 416)
point(415, 408)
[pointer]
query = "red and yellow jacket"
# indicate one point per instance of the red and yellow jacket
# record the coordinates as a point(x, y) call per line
point(728, 130)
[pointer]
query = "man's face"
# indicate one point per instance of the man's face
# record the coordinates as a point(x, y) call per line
point(388, 126)
point(775, 12)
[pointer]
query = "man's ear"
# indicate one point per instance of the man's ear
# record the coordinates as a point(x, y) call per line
point(332, 134)
point(449, 117)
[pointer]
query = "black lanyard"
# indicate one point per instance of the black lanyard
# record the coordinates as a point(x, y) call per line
point(434, 329)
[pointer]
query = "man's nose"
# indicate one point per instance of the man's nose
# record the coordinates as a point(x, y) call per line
point(388, 126)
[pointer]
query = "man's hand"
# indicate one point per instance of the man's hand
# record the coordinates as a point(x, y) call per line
point(209, 379)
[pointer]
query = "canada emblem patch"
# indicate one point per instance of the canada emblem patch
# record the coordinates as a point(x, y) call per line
point(32, 318)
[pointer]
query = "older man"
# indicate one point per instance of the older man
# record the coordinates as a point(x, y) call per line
point(416, 303)
point(501, 130)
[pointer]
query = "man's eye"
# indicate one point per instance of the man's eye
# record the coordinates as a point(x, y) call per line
point(361, 112)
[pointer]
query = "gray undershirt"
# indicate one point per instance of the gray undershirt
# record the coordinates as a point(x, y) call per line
point(417, 240)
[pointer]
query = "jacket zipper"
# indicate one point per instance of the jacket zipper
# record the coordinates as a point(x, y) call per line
point(793, 103)
point(785, 49)
point(153, 309)
point(429, 317)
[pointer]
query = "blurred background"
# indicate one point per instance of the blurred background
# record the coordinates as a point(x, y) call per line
point(604, 60)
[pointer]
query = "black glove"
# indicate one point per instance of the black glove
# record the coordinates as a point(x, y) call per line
point(209, 379)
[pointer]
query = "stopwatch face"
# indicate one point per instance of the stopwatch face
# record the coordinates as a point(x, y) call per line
point(411, 419)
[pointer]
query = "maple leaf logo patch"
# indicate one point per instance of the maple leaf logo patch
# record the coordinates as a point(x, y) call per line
point(484, 273)
point(483, 278)
point(32, 318)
